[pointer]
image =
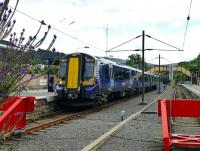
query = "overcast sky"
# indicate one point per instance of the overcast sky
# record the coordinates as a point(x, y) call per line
point(87, 20)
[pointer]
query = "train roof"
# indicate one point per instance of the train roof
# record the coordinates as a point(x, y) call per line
point(106, 61)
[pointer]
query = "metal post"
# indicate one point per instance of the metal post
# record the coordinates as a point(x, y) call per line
point(48, 78)
point(143, 42)
point(159, 75)
point(107, 40)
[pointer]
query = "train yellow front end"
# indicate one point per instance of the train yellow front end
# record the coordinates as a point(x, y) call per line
point(76, 82)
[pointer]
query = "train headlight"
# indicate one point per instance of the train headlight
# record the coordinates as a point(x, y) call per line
point(61, 82)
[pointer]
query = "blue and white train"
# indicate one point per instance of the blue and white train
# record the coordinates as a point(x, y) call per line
point(88, 80)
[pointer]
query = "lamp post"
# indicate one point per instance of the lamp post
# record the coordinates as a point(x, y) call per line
point(82, 48)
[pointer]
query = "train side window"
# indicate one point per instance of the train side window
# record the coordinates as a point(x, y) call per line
point(120, 75)
point(140, 78)
point(124, 75)
point(133, 72)
point(127, 75)
point(116, 74)
point(145, 77)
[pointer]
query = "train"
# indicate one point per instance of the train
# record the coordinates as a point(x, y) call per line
point(90, 80)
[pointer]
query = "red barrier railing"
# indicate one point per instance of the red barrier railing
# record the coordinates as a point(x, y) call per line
point(13, 113)
point(178, 108)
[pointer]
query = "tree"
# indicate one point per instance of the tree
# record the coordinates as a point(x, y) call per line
point(193, 65)
point(135, 60)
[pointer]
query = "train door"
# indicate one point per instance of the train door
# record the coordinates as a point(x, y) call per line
point(105, 77)
point(73, 73)
point(111, 77)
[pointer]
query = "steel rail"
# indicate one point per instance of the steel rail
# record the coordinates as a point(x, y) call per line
point(68, 118)
point(64, 119)
point(33, 117)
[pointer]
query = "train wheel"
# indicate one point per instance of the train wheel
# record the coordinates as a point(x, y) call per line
point(97, 101)
point(111, 97)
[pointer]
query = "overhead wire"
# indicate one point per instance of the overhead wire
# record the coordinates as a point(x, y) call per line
point(152, 59)
point(64, 33)
point(166, 59)
point(125, 50)
point(163, 42)
point(159, 49)
point(123, 44)
point(187, 23)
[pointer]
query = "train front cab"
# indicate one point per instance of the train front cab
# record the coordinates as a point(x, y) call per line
point(76, 81)
point(69, 77)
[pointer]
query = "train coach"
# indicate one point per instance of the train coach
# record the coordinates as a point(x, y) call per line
point(88, 80)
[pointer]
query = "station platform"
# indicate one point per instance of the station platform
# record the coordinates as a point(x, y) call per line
point(194, 88)
point(39, 94)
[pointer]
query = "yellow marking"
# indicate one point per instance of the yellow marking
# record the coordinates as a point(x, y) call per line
point(73, 69)
point(88, 82)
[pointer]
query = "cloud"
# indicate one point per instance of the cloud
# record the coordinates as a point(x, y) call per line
point(163, 19)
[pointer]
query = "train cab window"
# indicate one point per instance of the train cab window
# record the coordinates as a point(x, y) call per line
point(145, 77)
point(63, 67)
point(89, 68)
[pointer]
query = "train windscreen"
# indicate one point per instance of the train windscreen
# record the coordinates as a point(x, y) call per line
point(63, 67)
point(89, 68)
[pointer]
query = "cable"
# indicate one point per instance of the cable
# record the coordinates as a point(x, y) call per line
point(73, 37)
point(158, 49)
point(125, 50)
point(188, 18)
point(76, 39)
point(152, 59)
point(163, 42)
point(161, 58)
point(167, 60)
point(124, 43)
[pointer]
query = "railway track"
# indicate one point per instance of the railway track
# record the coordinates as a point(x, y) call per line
point(30, 130)
point(34, 118)
point(180, 93)
point(59, 117)
point(66, 117)
point(63, 117)
point(184, 125)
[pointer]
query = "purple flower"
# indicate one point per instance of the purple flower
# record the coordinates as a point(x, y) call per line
point(23, 70)
point(2, 95)
point(32, 75)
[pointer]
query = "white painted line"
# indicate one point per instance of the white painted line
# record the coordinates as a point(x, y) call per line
point(108, 134)
point(40, 97)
